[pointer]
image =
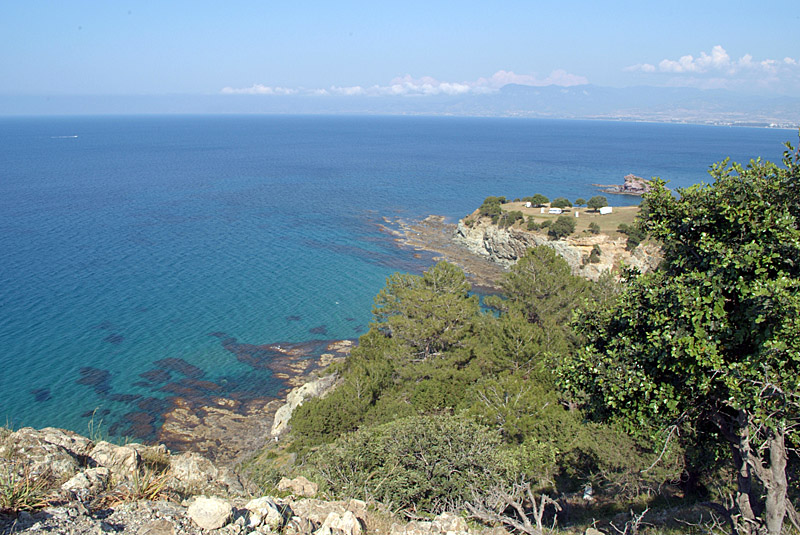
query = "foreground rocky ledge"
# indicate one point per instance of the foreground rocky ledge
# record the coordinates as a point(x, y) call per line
point(99, 487)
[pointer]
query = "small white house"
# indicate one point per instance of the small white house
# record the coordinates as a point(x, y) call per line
point(555, 211)
point(606, 210)
point(528, 204)
point(542, 210)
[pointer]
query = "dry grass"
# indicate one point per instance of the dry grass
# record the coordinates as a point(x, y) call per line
point(608, 223)
point(20, 490)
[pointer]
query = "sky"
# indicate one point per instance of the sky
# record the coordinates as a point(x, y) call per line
point(376, 47)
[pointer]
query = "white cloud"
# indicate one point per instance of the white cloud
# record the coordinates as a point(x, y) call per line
point(425, 86)
point(718, 70)
point(718, 61)
point(258, 89)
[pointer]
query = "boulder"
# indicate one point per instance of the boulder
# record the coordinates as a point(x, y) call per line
point(41, 451)
point(268, 512)
point(88, 483)
point(299, 486)
point(317, 511)
point(192, 472)
point(336, 524)
point(210, 513)
point(449, 523)
point(123, 461)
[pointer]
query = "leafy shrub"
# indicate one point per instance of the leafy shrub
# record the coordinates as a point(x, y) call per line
point(635, 235)
point(532, 224)
point(509, 218)
point(562, 227)
point(468, 222)
point(594, 256)
point(423, 463)
point(491, 207)
point(580, 201)
point(561, 202)
point(594, 228)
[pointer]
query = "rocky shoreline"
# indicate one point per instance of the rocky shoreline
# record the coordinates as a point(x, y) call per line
point(434, 234)
point(228, 430)
point(485, 251)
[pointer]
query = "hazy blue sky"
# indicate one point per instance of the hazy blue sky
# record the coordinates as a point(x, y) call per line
point(401, 47)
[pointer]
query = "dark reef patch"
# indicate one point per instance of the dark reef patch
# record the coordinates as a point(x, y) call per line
point(104, 326)
point(320, 329)
point(349, 319)
point(41, 394)
point(114, 338)
point(125, 398)
point(181, 366)
point(156, 376)
point(293, 318)
point(99, 380)
point(95, 413)
point(154, 405)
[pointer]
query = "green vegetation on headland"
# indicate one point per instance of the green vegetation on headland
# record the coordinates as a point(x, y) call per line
point(676, 389)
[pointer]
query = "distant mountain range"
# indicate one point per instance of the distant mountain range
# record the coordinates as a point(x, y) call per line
point(660, 104)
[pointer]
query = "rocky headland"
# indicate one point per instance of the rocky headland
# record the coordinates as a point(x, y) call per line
point(485, 251)
point(633, 185)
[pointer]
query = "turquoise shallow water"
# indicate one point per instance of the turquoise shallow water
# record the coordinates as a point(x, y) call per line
point(135, 249)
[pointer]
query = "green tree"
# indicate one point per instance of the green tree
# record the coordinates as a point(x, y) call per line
point(580, 201)
point(560, 202)
point(537, 200)
point(430, 314)
point(562, 227)
point(594, 228)
point(597, 202)
point(713, 337)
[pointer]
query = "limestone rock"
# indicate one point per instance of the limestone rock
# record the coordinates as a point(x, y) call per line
point(336, 524)
point(210, 513)
point(445, 523)
point(268, 512)
point(505, 246)
point(316, 388)
point(592, 531)
point(194, 473)
point(160, 526)
point(449, 523)
point(123, 461)
point(299, 486)
point(88, 483)
point(316, 511)
point(41, 451)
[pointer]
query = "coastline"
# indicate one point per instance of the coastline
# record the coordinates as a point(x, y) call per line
point(227, 430)
point(434, 234)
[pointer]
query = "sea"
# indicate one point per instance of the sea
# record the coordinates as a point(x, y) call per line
point(138, 252)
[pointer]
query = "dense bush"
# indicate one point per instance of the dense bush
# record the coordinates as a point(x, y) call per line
point(532, 224)
point(561, 202)
point(422, 463)
point(508, 219)
point(594, 228)
point(562, 227)
point(635, 235)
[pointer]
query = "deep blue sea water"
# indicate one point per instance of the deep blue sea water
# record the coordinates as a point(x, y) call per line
point(128, 240)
